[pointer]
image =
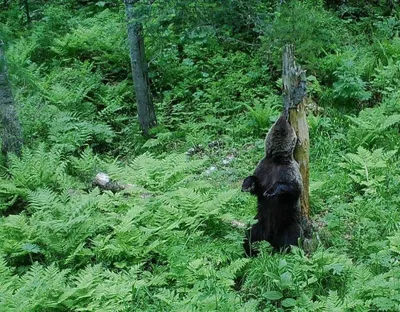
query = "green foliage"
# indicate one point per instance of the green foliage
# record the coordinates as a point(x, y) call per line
point(387, 78)
point(349, 87)
point(377, 126)
point(296, 22)
point(72, 228)
point(166, 241)
point(38, 168)
point(264, 114)
point(44, 287)
point(100, 39)
point(69, 133)
point(367, 169)
point(214, 87)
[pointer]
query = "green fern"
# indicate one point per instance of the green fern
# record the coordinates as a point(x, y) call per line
point(40, 168)
point(366, 168)
point(376, 126)
point(86, 165)
point(263, 113)
point(390, 121)
point(333, 303)
point(69, 133)
point(44, 287)
point(395, 242)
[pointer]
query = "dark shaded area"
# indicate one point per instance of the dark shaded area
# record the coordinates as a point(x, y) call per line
point(11, 134)
point(17, 207)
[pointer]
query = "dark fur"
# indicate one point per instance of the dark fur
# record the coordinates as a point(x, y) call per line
point(277, 184)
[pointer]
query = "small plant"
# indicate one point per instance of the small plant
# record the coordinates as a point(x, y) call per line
point(387, 78)
point(367, 169)
point(264, 113)
point(376, 127)
point(349, 87)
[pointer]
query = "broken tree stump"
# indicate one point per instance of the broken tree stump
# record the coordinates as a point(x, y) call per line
point(294, 100)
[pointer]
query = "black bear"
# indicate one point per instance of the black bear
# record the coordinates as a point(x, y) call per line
point(277, 184)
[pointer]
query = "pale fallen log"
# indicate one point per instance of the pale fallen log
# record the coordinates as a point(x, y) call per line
point(104, 182)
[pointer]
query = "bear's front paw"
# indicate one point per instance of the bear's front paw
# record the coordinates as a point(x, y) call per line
point(249, 184)
point(271, 192)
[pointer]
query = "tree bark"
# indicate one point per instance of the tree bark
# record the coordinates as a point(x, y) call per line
point(146, 113)
point(11, 134)
point(294, 99)
point(27, 12)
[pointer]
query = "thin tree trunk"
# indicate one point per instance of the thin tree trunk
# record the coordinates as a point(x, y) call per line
point(294, 98)
point(28, 15)
point(11, 134)
point(146, 113)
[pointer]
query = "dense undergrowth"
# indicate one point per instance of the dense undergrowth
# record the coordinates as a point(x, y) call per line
point(166, 242)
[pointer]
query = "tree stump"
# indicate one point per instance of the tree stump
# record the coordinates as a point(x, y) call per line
point(294, 99)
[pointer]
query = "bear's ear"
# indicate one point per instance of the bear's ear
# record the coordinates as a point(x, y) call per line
point(249, 184)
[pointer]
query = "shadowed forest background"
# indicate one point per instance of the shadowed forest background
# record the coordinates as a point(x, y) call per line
point(167, 240)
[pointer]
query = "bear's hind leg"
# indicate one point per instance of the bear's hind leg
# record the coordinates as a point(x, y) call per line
point(289, 237)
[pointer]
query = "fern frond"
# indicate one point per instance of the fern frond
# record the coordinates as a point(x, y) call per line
point(43, 199)
point(43, 286)
point(10, 282)
point(390, 121)
point(333, 302)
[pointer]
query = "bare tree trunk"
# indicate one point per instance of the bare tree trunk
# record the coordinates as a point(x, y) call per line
point(11, 135)
point(27, 12)
point(146, 113)
point(294, 98)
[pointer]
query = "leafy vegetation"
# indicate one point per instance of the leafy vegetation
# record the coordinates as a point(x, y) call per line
point(166, 241)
